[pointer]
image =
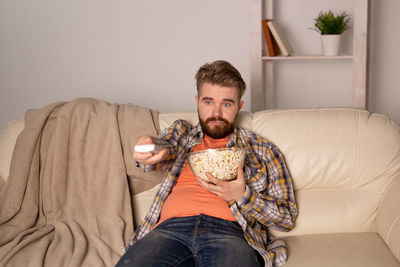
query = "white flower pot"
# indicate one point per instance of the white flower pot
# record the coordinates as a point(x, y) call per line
point(330, 44)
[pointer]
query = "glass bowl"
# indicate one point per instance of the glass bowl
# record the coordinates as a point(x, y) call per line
point(220, 163)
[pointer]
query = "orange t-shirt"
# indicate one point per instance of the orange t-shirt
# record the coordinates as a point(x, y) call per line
point(188, 198)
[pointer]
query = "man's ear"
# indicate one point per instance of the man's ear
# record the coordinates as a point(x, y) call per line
point(197, 99)
point(241, 104)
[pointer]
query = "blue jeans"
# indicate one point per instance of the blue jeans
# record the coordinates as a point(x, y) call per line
point(192, 241)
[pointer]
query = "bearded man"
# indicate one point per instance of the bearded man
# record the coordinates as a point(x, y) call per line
point(215, 223)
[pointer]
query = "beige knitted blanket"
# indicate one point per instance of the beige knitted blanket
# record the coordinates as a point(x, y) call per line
point(67, 201)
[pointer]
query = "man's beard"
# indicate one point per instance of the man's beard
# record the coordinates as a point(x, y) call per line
point(219, 131)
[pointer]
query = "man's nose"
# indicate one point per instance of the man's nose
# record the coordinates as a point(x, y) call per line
point(217, 111)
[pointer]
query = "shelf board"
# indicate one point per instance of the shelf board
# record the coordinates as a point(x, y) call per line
point(307, 57)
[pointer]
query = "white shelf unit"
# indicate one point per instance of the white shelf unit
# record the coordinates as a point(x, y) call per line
point(262, 67)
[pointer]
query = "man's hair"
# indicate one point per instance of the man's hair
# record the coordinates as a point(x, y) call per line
point(221, 73)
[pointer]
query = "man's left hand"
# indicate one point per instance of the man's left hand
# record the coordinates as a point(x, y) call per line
point(228, 190)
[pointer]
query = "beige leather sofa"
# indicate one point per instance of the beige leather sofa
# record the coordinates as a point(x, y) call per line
point(345, 165)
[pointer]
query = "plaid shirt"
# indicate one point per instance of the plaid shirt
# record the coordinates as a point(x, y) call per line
point(268, 200)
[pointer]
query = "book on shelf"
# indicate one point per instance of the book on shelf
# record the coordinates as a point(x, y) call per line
point(270, 42)
point(280, 37)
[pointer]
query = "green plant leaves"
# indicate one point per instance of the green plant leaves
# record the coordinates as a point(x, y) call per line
point(329, 23)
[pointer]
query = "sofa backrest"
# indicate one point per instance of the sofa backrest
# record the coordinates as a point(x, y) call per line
point(341, 161)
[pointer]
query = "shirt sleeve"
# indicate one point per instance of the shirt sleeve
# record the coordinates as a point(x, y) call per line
point(269, 197)
point(169, 138)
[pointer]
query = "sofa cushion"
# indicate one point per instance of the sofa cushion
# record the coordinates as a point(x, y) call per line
point(333, 211)
point(341, 161)
point(142, 203)
point(344, 250)
point(8, 138)
point(317, 155)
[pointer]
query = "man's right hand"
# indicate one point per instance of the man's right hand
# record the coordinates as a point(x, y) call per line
point(149, 158)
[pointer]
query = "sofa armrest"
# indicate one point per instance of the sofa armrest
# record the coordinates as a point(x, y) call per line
point(388, 219)
point(8, 139)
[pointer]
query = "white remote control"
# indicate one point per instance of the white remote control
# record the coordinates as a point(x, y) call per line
point(148, 148)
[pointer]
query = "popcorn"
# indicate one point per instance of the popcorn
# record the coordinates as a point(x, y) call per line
point(221, 163)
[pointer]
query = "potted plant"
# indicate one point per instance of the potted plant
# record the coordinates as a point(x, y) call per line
point(331, 26)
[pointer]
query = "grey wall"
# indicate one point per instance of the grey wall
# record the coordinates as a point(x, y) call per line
point(144, 52)
point(384, 59)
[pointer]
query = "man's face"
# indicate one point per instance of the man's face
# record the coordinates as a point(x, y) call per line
point(217, 107)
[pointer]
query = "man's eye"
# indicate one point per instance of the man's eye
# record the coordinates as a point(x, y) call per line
point(227, 105)
point(207, 102)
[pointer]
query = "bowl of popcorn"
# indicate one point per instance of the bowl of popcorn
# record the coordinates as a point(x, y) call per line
point(220, 163)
